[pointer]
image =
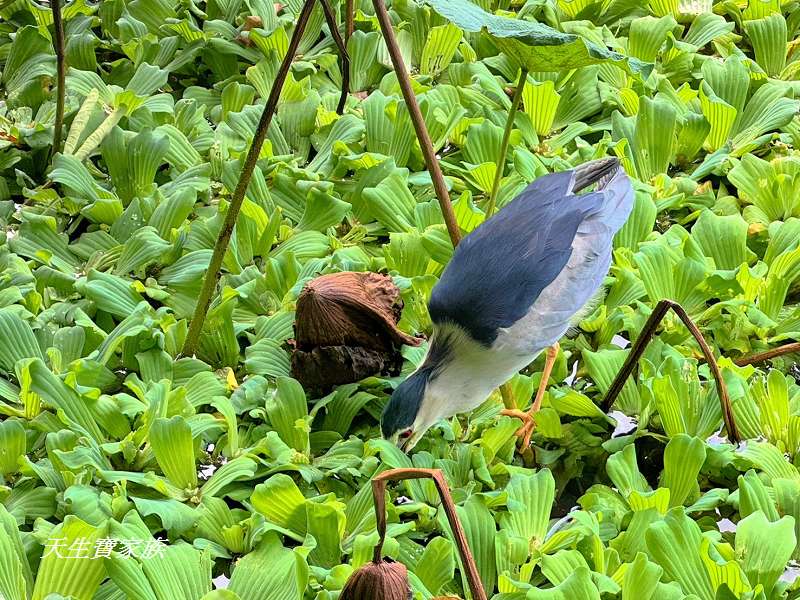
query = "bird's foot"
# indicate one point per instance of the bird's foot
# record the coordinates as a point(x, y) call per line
point(528, 424)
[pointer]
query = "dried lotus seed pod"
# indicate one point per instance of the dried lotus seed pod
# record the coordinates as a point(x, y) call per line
point(386, 580)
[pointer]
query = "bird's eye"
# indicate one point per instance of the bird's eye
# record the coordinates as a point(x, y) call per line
point(405, 435)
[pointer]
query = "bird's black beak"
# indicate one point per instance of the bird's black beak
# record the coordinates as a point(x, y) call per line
point(405, 443)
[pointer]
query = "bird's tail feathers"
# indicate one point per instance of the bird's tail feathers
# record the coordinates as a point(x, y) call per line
point(614, 186)
point(599, 171)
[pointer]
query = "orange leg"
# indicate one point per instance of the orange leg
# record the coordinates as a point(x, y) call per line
point(527, 418)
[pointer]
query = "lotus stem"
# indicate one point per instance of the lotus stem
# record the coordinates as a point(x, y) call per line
point(423, 136)
point(501, 159)
point(759, 357)
point(223, 239)
point(379, 483)
point(349, 22)
point(658, 314)
point(344, 58)
point(61, 74)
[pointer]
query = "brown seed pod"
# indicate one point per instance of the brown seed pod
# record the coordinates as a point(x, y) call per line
point(346, 329)
point(385, 580)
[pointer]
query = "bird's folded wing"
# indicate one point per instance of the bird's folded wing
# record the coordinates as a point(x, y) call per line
point(499, 270)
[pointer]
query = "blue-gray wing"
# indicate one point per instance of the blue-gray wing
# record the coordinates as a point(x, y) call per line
point(498, 271)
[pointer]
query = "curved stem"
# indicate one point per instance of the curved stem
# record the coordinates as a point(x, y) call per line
point(644, 338)
point(501, 159)
point(61, 74)
point(379, 484)
point(224, 237)
point(423, 136)
point(758, 357)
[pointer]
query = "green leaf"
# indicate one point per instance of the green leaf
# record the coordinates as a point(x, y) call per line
point(765, 548)
point(56, 393)
point(537, 46)
point(270, 572)
point(12, 446)
point(179, 571)
point(322, 211)
point(19, 340)
point(392, 203)
point(110, 293)
point(440, 47)
point(683, 458)
point(436, 566)
point(754, 496)
point(768, 36)
point(603, 367)
point(133, 163)
point(578, 585)
point(540, 101)
point(640, 579)
point(724, 238)
point(171, 441)
point(654, 138)
point(530, 498)
point(238, 469)
point(281, 502)
point(69, 568)
point(624, 471)
point(29, 62)
point(480, 531)
point(15, 573)
point(288, 413)
point(674, 544)
point(647, 35)
point(267, 357)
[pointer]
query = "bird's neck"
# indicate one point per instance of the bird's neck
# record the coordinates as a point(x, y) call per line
point(462, 373)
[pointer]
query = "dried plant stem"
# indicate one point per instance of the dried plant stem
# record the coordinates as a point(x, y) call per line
point(659, 312)
point(349, 22)
point(61, 74)
point(419, 123)
point(344, 58)
point(379, 483)
point(501, 159)
point(766, 355)
point(221, 245)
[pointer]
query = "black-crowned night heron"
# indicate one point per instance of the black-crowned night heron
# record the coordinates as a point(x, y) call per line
point(514, 286)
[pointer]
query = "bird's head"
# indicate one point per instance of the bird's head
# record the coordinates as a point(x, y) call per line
point(408, 414)
point(400, 421)
point(416, 405)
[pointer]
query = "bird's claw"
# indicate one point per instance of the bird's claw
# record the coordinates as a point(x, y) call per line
point(528, 424)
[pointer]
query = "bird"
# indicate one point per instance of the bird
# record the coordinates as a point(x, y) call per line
point(513, 287)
